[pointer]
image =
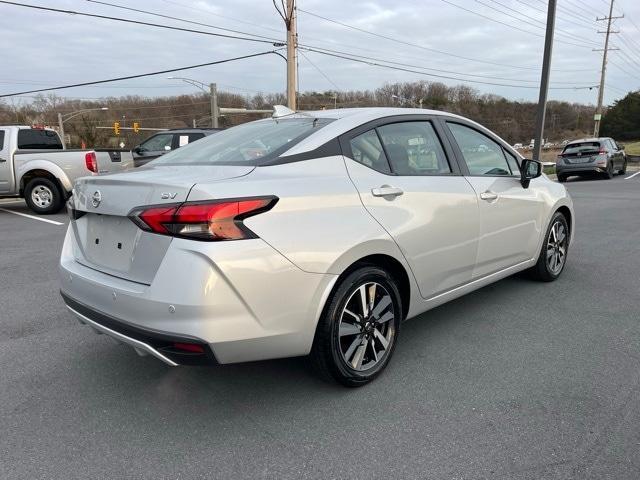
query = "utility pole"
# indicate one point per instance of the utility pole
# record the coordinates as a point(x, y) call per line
point(544, 81)
point(598, 115)
point(292, 41)
point(213, 93)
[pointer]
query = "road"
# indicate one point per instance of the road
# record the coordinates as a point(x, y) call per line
point(519, 380)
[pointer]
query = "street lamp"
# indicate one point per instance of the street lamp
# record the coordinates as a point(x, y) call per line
point(213, 95)
point(68, 116)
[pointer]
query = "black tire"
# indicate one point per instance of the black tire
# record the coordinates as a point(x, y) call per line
point(330, 350)
point(624, 169)
point(608, 175)
point(542, 270)
point(562, 178)
point(43, 196)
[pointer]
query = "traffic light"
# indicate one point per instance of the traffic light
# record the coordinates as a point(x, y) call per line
point(136, 127)
point(116, 128)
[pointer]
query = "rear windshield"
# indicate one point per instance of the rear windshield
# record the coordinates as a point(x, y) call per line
point(252, 143)
point(582, 147)
point(31, 139)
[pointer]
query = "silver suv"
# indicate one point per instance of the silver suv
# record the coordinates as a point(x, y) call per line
point(589, 156)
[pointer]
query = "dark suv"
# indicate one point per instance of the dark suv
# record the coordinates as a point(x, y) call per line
point(589, 156)
point(163, 142)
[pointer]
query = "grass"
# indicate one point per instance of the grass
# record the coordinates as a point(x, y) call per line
point(632, 148)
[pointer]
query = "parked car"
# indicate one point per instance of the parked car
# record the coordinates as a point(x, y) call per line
point(35, 166)
point(589, 156)
point(312, 233)
point(517, 146)
point(166, 141)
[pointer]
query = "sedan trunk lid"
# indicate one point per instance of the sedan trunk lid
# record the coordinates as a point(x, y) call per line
point(107, 240)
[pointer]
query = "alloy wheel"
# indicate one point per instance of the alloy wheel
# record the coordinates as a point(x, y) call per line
point(556, 247)
point(366, 331)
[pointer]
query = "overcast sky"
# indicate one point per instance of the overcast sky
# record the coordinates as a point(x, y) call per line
point(41, 49)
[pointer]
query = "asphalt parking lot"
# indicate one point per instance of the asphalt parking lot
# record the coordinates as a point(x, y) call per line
point(519, 380)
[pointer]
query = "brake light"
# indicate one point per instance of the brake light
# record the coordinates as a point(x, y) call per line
point(91, 162)
point(212, 221)
point(189, 347)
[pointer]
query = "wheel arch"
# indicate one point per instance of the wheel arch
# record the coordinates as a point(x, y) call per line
point(389, 264)
point(40, 173)
point(42, 168)
point(566, 211)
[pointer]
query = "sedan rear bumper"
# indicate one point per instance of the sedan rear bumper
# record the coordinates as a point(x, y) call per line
point(241, 301)
point(145, 342)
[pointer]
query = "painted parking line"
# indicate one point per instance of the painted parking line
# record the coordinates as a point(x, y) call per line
point(46, 220)
point(631, 176)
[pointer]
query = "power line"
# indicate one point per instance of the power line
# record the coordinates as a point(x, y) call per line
point(393, 67)
point(504, 23)
point(128, 77)
point(404, 42)
point(623, 70)
point(320, 71)
point(632, 48)
point(391, 62)
point(115, 5)
point(578, 7)
point(128, 86)
point(222, 16)
point(558, 31)
point(136, 22)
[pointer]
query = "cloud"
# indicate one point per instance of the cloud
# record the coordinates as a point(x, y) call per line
point(47, 49)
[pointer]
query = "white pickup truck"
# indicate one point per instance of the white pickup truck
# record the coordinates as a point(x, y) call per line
point(35, 166)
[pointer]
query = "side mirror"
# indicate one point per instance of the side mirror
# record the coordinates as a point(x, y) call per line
point(529, 169)
point(137, 149)
point(620, 147)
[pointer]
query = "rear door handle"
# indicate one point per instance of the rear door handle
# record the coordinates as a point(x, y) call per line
point(386, 191)
point(3, 160)
point(488, 196)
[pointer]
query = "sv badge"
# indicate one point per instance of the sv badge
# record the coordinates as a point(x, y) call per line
point(168, 195)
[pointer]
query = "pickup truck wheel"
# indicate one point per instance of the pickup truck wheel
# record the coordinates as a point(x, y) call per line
point(43, 196)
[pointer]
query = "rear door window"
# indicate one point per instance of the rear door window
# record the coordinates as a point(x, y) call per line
point(35, 139)
point(367, 150)
point(413, 148)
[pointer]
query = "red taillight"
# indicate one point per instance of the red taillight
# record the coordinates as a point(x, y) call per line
point(91, 162)
point(189, 347)
point(213, 221)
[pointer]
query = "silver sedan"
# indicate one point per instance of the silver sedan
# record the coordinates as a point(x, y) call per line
point(310, 233)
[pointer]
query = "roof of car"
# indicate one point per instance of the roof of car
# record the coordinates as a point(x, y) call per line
point(193, 130)
point(592, 139)
point(370, 111)
point(348, 118)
